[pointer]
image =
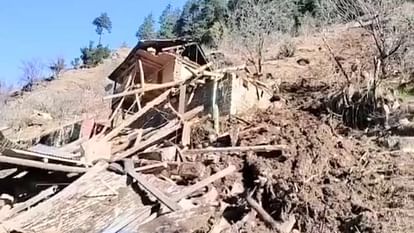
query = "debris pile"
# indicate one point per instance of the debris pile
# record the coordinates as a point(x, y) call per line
point(175, 157)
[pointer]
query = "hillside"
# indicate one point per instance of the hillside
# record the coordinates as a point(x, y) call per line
point(77, 94)
point(331, 178)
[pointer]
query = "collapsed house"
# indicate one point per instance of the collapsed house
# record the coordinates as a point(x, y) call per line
point(170, 63)
point(132, 165)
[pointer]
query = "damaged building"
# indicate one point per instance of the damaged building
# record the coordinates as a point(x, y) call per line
point(138, 172)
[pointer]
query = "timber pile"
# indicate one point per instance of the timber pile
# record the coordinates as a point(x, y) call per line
point(121, 178)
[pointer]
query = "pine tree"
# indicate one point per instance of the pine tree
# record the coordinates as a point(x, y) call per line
point(147, 29)
point(203, 20)
point(102, 22)
point(168, 21)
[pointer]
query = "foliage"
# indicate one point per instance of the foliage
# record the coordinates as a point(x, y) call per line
point(203, 20)
point(75, 63)
point(57, 66)
point(147, 29)
point(168, 21)
point(389, 26)
point(92, 56)
point(102, 22)
point(256, 22)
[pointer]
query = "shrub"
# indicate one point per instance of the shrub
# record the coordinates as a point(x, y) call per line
point(57, 66)
point(33, 71)
point(75, 63)
point(287, 49)
point(93, 56)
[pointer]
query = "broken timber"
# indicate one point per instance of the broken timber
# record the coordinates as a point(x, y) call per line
point(88, 199)
point(129, 168)
point(137, 115)
point(163, 132)
point(41, 165)
point(148, 87)
point(236, 149)
point(29, 203)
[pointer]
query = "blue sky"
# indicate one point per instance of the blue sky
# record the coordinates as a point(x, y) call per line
point(46, 29)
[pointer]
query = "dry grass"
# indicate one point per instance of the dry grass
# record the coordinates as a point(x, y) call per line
point(76, 94)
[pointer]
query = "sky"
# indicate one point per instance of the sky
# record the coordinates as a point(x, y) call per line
point(47, 29)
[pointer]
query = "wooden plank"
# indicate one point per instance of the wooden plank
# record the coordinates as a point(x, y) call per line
point(177, 46)
point(87, 205)
point(141, 74)
point(73, 146)
point(29, 203)
point(184, 221)
point(182, 99)
point(148, 87)
point(41, 165)
point(43, 151)
point(188, 191)
point(192, 113)
point(163, 132)
point(236, 149)
point(129, 168)
point(137, 115)
point(186, 134)
point(126, 218)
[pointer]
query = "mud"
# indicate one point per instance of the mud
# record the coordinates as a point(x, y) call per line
point(328, 181)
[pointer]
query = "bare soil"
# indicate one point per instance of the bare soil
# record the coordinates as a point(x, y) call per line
point(329, 180)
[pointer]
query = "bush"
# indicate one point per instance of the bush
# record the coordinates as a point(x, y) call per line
point(287, 49)
point(93, 56)
point(57, 67)
point(75, 63)
point(32, 72)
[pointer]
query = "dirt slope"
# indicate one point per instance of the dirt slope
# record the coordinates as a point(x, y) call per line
point(75, 95)
point(330, 180)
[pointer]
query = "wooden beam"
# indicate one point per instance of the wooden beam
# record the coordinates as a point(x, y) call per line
point(126, 218)
point(163, 132)
point(177, 46)
point(170, 204)
point(141, 74)
point(73, 146)
point(29, 203)
point(236, 149)
point(41, 165)
point(52, 155)
point(137, 115)
point(192, 113)
point(186, 135)
point(182, 99)
point(149, 87)
point(183, 221)
point(188, 191)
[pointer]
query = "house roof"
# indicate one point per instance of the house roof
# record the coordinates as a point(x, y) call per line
point(191, 50)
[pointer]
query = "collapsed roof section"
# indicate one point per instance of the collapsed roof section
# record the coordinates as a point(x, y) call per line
point(159, 60)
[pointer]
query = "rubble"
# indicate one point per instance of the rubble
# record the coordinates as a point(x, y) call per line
point(174, 156)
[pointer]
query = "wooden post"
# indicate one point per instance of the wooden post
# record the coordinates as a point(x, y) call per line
point(182, 103)
point(141, 74)
point(216, 113)
point(186, 135)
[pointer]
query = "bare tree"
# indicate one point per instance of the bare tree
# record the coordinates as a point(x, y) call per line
point(256, 22)
point(386, 22)
point(33, 71)
point(57, 66)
